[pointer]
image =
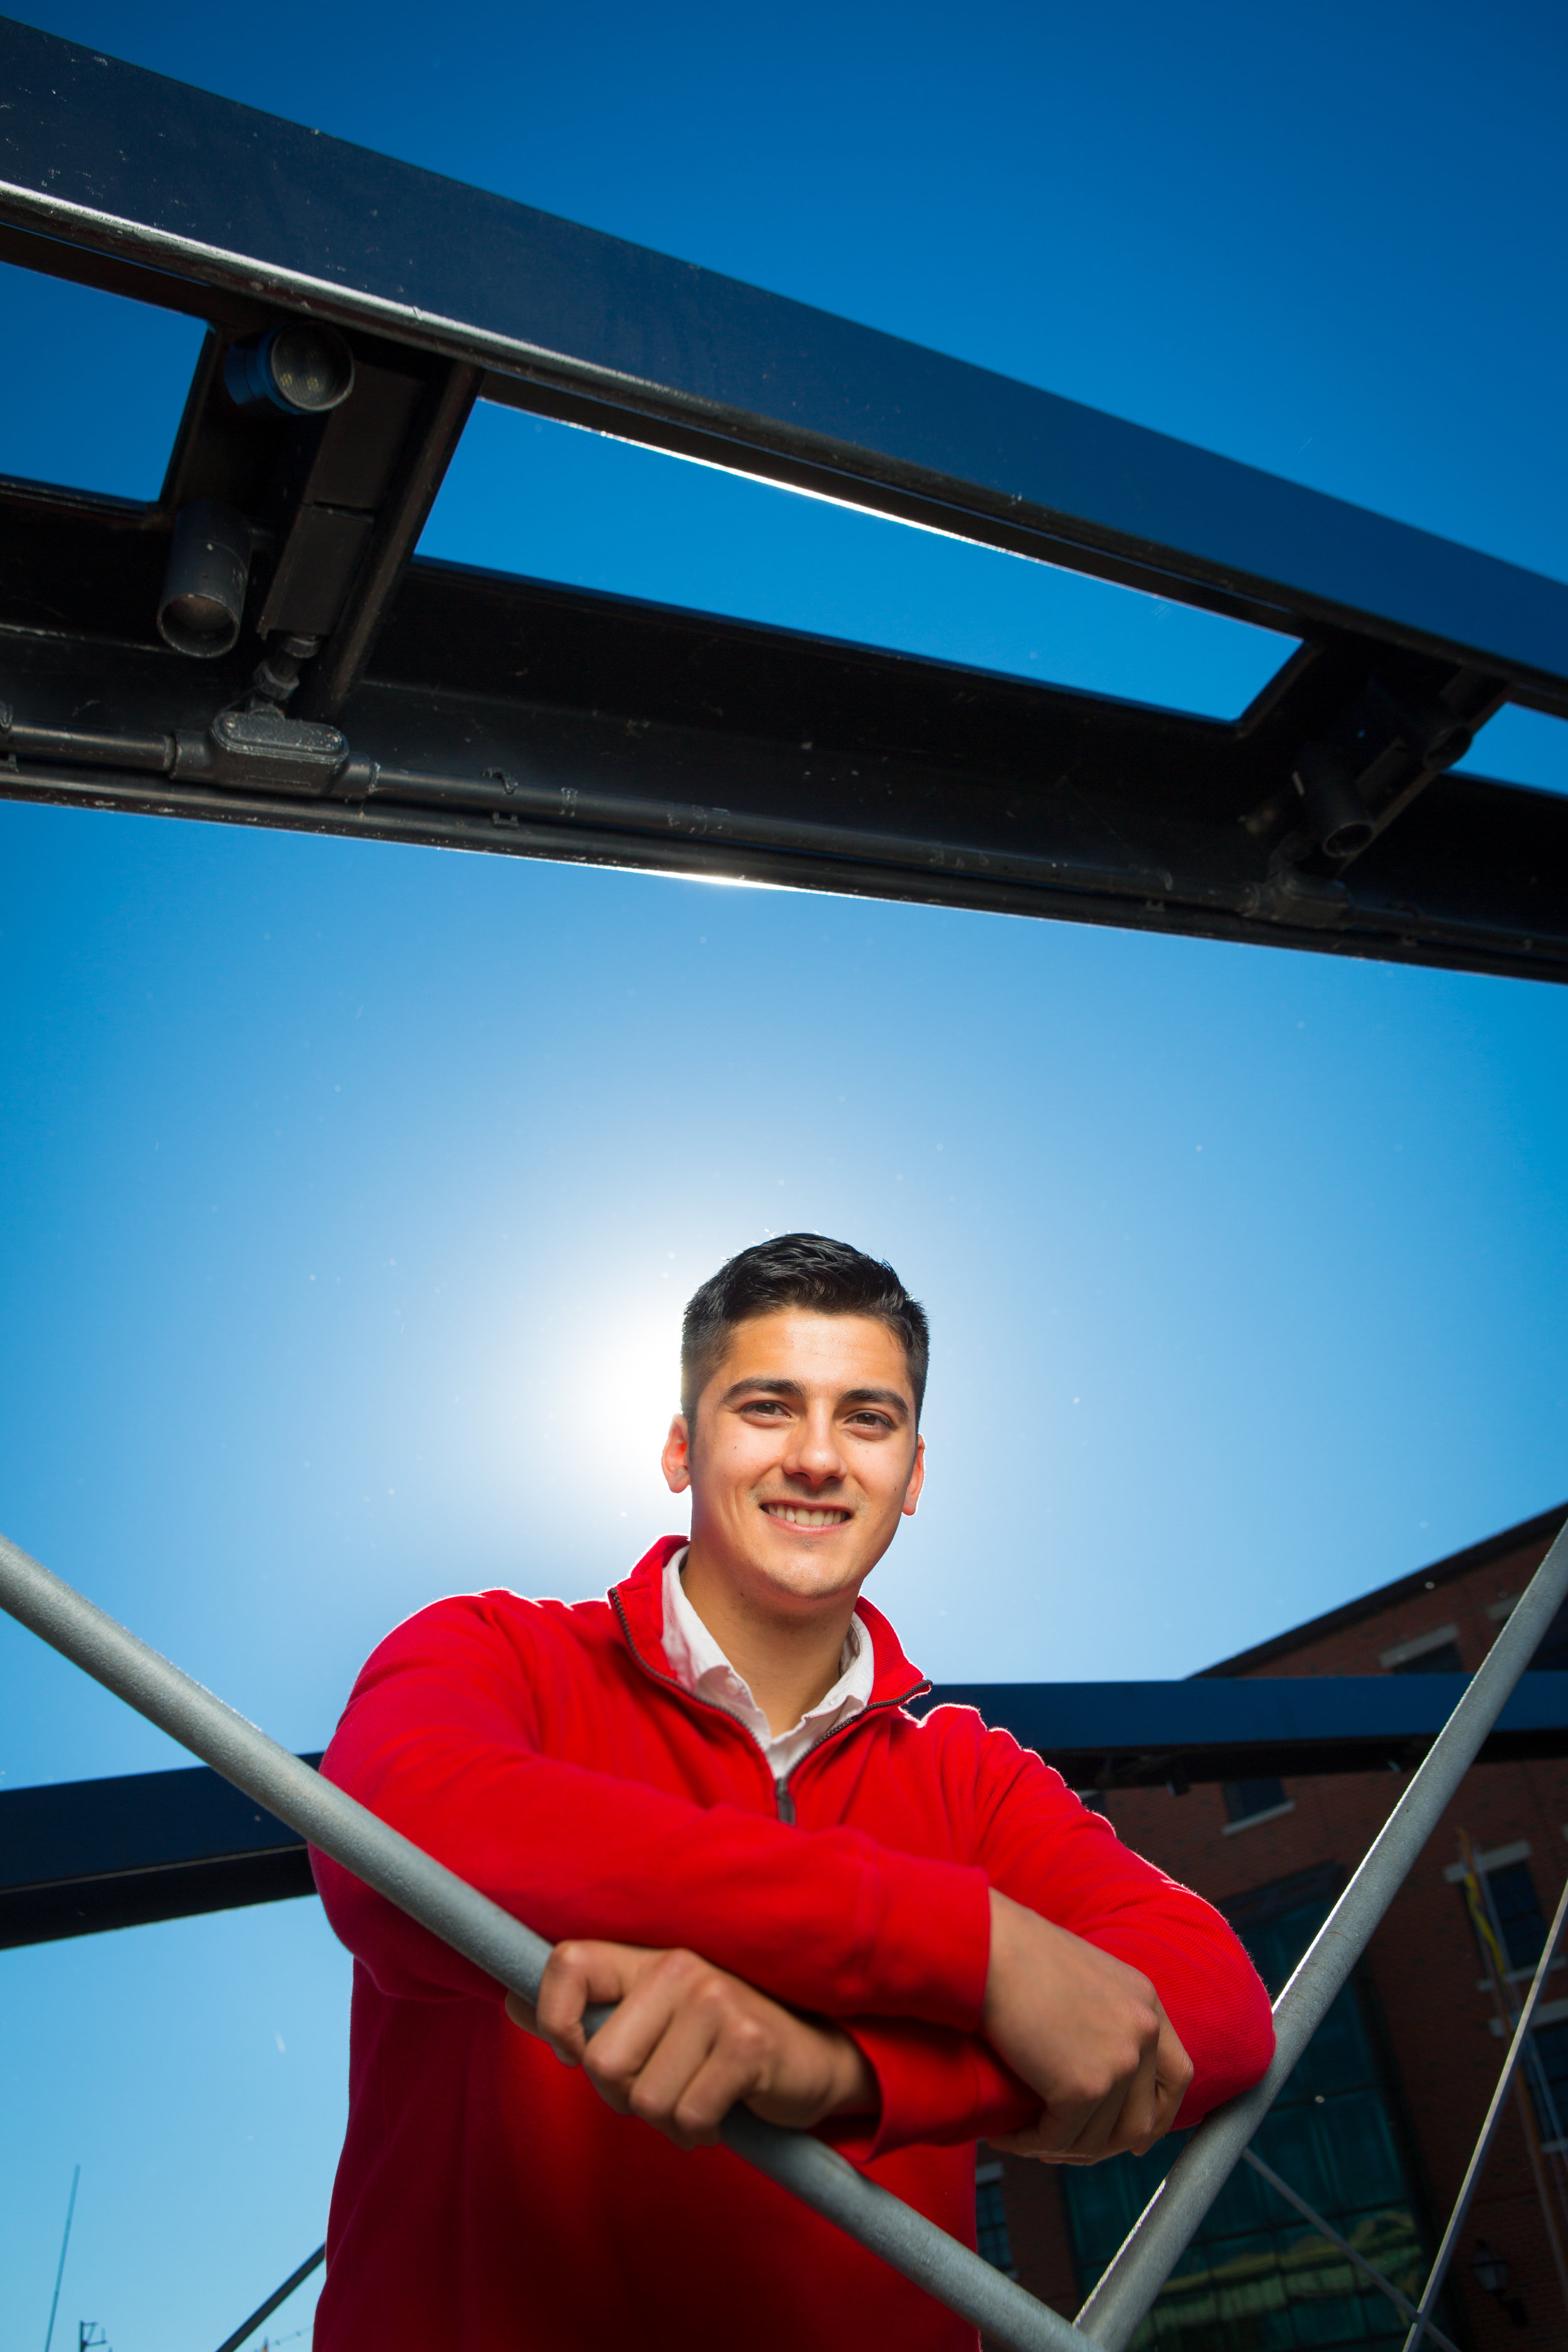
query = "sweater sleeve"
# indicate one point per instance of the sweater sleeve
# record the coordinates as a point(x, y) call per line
point(935, 2087)
point(1039, 1844)
point(441, 1739)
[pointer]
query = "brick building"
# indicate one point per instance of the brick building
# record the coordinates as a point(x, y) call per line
point(1377, 2123)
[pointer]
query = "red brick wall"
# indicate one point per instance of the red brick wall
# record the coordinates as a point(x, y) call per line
point(1422, 1963)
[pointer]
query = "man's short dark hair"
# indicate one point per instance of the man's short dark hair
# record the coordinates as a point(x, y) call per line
point(797, 1270)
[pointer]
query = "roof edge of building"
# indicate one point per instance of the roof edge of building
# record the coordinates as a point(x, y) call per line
point(1541, 1528)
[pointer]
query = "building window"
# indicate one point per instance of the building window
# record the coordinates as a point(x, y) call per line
point(1548, 2078)
point(1515, 1906)
point(1443, 1660)
point(1255, 2275)
point(991, 2220)
point(1242, 1799)
point(1508, 1921)
point(1436, 1651)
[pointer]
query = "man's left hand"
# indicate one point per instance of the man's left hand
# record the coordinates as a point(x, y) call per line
point(688, 2041)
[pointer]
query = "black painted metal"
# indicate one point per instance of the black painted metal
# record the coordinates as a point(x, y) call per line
point(511, 715)
point(124, 162)
point(1142, 1734)
point(638, 735)
point(87, 1856)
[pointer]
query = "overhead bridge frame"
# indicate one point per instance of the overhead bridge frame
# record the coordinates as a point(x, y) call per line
point(364, 691)
point(444, 704)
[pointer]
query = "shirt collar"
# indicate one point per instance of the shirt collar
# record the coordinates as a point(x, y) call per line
point(700, 1666)
point(639, 1603)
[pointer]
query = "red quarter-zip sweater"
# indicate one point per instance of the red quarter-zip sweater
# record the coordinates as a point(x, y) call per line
point(487, 2199)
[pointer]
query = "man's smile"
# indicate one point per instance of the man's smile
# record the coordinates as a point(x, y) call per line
point(808, 1515)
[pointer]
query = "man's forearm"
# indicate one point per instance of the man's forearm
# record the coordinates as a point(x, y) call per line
point(825, 1921)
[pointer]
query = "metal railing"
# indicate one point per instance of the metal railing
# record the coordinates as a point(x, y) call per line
point(512, 1954)
point(306, 2270)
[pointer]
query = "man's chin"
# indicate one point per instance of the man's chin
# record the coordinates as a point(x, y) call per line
point(809, 1568)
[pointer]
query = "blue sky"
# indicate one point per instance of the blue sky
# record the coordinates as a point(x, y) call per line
point(350, 1193)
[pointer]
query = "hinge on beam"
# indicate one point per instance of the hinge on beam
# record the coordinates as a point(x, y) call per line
point(1352, 777)
point(318, 488)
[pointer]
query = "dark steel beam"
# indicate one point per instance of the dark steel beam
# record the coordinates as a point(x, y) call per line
point(1146, 1735)
point(425, 455)
point(509, 715)
point(442, 706)
point(103, 160)
point(87, 1856)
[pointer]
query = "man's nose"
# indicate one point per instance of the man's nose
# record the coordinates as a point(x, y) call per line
point(814, 1453)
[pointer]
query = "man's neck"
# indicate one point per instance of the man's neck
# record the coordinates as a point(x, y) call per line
point(787, 1662)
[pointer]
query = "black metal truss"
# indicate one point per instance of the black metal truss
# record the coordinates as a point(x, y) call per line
point(87, 1856)
point(444, 705)
point(83, 1856)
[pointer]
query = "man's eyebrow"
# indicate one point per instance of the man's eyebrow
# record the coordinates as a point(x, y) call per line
point(891, 1398)
point(764, 1385)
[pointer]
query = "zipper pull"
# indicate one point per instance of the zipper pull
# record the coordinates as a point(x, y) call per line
point(786, 1801)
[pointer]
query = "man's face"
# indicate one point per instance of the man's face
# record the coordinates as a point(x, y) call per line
point(804, 1455)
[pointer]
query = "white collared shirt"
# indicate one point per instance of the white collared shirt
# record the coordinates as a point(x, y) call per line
point(699, 1666)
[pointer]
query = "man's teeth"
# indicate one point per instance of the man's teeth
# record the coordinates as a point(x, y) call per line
point(795, 1515)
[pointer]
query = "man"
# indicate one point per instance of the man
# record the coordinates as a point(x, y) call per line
point(709, 1792)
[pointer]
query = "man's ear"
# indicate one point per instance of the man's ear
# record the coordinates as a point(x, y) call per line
point(676, 1459)
point(916, 1479)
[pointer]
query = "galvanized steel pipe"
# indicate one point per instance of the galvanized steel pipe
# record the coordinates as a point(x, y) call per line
point(496, 1942)
point(1168, 2223)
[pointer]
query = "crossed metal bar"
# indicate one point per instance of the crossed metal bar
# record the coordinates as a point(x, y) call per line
point(311, 2263)
point(1518, 2046)
point(510, 1953)
point(1379, 2279)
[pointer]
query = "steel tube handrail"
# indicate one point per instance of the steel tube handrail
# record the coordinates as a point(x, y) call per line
point(515, 1957)
point(496, 1942)
point(1164, 2229)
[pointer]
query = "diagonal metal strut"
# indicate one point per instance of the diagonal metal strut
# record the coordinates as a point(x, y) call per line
point(1384, 2284)
point(1169, 2222)
point(1517, 2048)
point(515, 1957)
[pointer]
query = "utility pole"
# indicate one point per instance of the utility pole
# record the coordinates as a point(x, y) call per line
point(59, 2273)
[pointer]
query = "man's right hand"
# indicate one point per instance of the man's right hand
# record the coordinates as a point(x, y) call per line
point(1084, 2031)
point(686, 2041)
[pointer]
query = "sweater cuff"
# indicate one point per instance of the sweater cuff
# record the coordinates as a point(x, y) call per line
point(933, 1944)
point(936, 2088)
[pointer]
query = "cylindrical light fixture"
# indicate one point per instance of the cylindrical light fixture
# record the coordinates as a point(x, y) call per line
point(302, 368)
point(1335, 809)
point(203, 598)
